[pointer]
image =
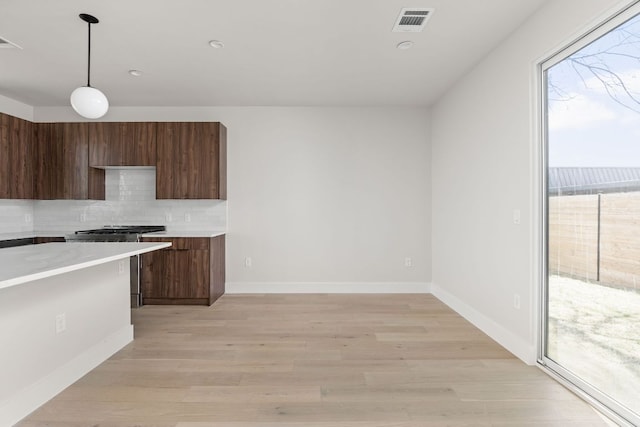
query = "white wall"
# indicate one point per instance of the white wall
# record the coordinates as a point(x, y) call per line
point(484, 167)
point(321, 199)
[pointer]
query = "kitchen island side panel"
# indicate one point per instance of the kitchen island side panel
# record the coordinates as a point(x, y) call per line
point(55, 330)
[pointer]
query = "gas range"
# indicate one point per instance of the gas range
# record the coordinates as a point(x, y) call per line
point(114, 233)
point(120, 233)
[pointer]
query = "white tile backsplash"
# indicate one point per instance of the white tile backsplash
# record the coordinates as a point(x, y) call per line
point(130, 200)
point(130, 184)
point(16, 215)
point(70, 215)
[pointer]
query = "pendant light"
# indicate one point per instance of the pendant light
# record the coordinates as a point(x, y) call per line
point(88, 101)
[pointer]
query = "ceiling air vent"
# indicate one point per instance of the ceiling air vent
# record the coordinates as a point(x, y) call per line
point(6, 44)
point(412, 19)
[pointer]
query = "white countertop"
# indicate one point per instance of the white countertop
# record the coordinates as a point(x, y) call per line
point(58, 233)
point(32, 262)
point(31, 234)
point(191, 233)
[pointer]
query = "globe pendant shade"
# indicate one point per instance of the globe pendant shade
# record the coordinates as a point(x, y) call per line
point(89, 102)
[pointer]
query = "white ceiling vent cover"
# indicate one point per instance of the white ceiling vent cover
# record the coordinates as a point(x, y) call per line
point(6, 44)
point(412, 19)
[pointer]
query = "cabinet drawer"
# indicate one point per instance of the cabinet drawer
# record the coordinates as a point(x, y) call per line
point(39, 240)
point(182, 243)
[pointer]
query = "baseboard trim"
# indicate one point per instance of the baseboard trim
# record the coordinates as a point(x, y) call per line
point(516, 345)
point(327, 288)
point(32, 397)
point(520, 348)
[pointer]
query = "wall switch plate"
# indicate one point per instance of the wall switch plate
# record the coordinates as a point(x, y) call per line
point(28, 218)
point(187, 217)
point(168, 217)
point(83, 217)
point(61, 323)
point(516, 301)
point(408, 262)
point(248, 262)
point(516, 216)
point(121, 267)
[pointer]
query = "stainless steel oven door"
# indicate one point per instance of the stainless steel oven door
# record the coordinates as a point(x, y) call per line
point(136, 291)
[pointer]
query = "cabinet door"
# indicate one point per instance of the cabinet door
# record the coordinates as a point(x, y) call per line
point(61, 161)
point(191, 161)
point(16, 163)
point(5, 155)
point(175, 274)
point(47, 160)
point(21, 159)
point(122, 144)
point(75, 160)
point(179, 274)
point(5, 173)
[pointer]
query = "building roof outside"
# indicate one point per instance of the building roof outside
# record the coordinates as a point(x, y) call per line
point(568, 181)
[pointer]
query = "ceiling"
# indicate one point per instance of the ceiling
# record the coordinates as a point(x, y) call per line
point(277, 52)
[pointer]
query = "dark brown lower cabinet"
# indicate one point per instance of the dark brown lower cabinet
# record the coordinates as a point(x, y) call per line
point(39, 240)
point(190, 272)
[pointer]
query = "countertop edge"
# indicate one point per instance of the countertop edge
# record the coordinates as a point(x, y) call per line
point(53, 233)
point(54, 271)
point(184, 234)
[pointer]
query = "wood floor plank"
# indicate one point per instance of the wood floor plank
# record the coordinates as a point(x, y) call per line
point(252, 394)
point(312, 361)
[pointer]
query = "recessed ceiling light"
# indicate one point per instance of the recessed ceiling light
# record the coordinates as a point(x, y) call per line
point(217, 44)
point(135, 73)
point(405, 45)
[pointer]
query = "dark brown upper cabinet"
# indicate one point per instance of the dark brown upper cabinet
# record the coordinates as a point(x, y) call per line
point(16, 167)
point(122, 144)
point(61, 162)
point(191, 160)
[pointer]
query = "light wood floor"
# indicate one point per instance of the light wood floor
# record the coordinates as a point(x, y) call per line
point(312, 361)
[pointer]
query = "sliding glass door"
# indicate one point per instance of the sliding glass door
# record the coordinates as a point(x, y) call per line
point(591, 310)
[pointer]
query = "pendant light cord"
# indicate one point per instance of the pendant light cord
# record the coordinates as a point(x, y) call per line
point(89, 58)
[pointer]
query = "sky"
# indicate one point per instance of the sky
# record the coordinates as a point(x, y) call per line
point(587, 125)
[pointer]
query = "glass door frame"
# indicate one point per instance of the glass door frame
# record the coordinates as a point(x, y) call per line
point(604, 403)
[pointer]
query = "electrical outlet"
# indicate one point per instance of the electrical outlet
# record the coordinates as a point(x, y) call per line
point(516, 216)
point(187, 217)
point(248, 262)
point(83, 217)
point(408, 262)
point(516, 301)
point(121, 267)
point(61, 323)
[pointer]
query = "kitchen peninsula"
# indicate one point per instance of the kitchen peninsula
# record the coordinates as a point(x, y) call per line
point(64, 309)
